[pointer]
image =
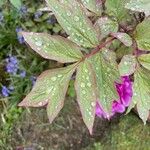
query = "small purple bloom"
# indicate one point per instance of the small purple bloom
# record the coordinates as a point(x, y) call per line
point(5, 91)
point(33, 79)
point(52, 20)
point(12, 65)
point(19, 36)
point(23, 10)
point(1, 17)
point(37, 14)
point(119, 106)
point(23, 73)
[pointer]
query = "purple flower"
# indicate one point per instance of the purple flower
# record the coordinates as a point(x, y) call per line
point(52, 20)
point(33, 79)
point(37, 14)
point(19, 36)
point(23, 10)
point(119, 106)
point(5, 91)
point(12, 65)
point(23, 73)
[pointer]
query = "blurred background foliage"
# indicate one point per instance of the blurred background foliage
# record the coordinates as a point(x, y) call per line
point(19, 66)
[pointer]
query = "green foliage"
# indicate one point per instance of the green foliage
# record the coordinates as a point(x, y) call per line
point(16, 3)
point(145, 60)
point(96, 67)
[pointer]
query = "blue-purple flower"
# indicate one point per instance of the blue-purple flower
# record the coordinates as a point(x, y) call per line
point(23, 10)
point(19, 35)
point(23, 73)
point(6, 91)
point(33, 79)
point(12, 65)
point(37, 14)
point(1, 17)
point(51, 20)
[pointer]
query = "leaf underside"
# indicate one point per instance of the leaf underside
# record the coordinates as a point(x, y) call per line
point(53, 47)
point(73, 19)
point(107, 73)
point(50, 88)
point(85, 89)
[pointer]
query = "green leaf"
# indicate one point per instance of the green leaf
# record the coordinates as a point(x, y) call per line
point(107, 73)
point(141, 93)
point(145, 60)
point(105, 26)
point(127, 65)
point(123, 37)
point(93, 5)
point(116, 8)
point(50, 88)
point(139, 6)
point(53, 47)
point(85, 88)
point(16, 3)
point(142, 35)
point(73, 19)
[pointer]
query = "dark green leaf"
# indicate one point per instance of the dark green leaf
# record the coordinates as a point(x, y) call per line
point(127, 65)
point(85, 88)
point(50, 88)
point(145, 60)
point(141, 93)
point(107, 73)
point(142, 35)
point(53, 47)
point(72, 18)
point(139, 6)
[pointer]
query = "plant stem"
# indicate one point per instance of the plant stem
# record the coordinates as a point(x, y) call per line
point(99, 47)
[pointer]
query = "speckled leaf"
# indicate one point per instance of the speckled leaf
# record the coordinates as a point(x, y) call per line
point(85, 88)
point(53, 47)
point(116, 8)
point(141, 93)
point(142, 35)
point(93, 5)
point(72, 18)
point(139, 6)
point(50, 88)
point(107, 73)
point(123, 37)
point(145, 60)
point(105, 26)
point(127, 66)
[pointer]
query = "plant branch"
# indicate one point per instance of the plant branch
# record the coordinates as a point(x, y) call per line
point(99, 47)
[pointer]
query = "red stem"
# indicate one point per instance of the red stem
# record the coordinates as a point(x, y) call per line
point(99, 47)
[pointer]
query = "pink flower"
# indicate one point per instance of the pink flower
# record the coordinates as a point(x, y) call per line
point(118, 106)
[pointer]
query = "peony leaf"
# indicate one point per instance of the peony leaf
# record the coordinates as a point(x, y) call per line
point(141, 93)
point(93, 5)
point(139, 6)
point(144, 60)
point(105, 26)
point(50, 88)
point(72, 18)
point(107, 73)
point(53, 47)
point(142, 35)
point(127, 65)
point(116, 8)
point(85, 88)
point(123, 37)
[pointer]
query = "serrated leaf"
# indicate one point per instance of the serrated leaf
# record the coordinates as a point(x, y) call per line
point(127, 66)
point(144, 60)
point(139, 6)
point(93, 5)
point(50, 88)
point(16, 3)
point(73, 19)
point(85, 88)
point(141, 93)
point(53, 47)
point(107, 73)
point(123, 37)
point(142, 35)
point(116, 8)
point(105, 26)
